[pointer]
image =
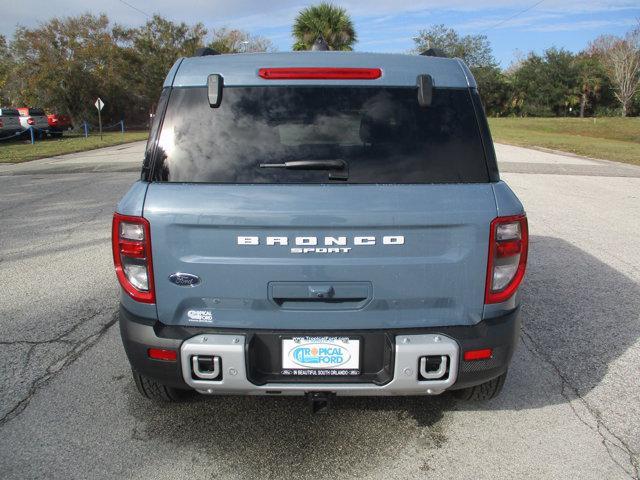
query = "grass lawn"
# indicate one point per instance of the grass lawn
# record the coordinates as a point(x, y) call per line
point(12, 151)
point(605, 138)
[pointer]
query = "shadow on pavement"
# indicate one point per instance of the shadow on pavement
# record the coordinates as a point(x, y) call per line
point(256, 434)
point(578, 313)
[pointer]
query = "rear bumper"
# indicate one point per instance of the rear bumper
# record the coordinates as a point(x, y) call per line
point(238, 373)
point(59, 128)
point(10, 132)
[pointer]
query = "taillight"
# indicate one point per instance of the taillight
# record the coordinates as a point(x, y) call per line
point(324, 73)
point(508, 246)
point(31, 121)
point(1, 124)
point(131, 239)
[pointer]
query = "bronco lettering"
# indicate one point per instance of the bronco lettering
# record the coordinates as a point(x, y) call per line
point(309, 244)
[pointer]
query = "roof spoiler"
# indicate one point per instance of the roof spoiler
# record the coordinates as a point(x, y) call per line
point(214, 89)
point(425, 89)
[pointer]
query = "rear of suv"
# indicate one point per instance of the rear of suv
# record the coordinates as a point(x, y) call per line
point(9, 122)
point(321, 224)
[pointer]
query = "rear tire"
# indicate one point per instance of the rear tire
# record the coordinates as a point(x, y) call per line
point(158, 392)
point(482, 392)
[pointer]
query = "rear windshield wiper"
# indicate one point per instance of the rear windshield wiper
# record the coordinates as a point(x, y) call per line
point(308, 165)
point(336, 164)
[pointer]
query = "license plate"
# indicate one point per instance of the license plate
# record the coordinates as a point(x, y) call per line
point(319, 356)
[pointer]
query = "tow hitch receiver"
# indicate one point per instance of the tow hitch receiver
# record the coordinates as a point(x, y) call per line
point(433, 367)
point(320, 402)
point(206, 367)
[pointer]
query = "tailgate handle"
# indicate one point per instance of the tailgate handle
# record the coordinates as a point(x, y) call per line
point(311, 295)
point(321, 291)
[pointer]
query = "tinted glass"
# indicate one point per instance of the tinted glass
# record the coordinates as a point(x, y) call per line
point(9, 112)
point(382, 134)
point(36, 111)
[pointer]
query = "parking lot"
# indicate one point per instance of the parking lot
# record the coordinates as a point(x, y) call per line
point(69, 408)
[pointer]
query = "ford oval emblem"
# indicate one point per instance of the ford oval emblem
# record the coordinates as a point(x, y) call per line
point(184, 279)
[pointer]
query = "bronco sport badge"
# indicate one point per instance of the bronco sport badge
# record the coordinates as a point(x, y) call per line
point(323, 245)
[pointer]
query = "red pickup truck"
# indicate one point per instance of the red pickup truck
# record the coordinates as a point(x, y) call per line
point(58, 124)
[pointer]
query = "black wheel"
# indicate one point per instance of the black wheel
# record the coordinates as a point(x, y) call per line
point(156, 391)
point(484, 391)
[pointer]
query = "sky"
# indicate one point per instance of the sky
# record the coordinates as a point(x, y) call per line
point(514, 28)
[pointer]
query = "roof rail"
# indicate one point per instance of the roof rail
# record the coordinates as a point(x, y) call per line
point(204, 51)
point(434, 52)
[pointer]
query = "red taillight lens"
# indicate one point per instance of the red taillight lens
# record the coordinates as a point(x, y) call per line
point(162, 354)
point(131, 241)
point(324, 73)
point(508, 247)
point(132, 249)
point(31, 121)
point(1, 124)
point(482, 354)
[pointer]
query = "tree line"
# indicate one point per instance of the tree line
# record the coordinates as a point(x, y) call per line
point(603, 79)
point(66, 63)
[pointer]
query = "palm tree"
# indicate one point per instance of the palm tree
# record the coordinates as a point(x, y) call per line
point(324, 20)
point(590, 79)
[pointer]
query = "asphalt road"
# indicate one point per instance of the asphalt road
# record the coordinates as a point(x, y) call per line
point(69, 409)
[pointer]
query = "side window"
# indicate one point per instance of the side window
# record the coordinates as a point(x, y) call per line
point(153, 132)
point(485, 133)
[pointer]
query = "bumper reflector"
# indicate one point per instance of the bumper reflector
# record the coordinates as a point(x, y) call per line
point(483, 354)
point(162, 354)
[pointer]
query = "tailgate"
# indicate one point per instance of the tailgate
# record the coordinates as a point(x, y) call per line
point(320, 256)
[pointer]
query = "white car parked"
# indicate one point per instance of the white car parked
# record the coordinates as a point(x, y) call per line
point(9, 122)
point(33, 117)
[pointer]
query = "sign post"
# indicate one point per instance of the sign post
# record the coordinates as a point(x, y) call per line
point(99, 105)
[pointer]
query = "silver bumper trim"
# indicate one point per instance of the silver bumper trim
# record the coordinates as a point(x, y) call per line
point(408, 351)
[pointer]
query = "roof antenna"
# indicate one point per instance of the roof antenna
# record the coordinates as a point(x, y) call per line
point(319, 45)
point(434, 52)
point(204, 51)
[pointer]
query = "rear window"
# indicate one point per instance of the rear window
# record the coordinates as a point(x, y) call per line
point(9, 112)
point(382, 135)
point(36, 111)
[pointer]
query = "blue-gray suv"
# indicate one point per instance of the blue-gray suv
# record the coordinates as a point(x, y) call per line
point(320, 224)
